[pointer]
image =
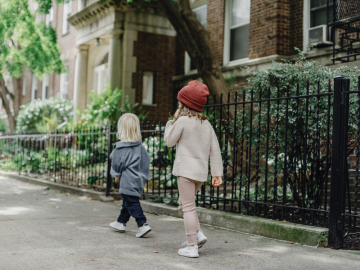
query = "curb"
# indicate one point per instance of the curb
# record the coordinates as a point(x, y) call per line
point(298, 233)
point(97, 195)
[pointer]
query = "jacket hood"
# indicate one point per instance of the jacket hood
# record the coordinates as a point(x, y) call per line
point(126, 144)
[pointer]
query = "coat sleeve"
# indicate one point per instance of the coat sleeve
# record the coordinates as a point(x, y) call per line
point(173, 133)
point(216, 162)
point(117, 165)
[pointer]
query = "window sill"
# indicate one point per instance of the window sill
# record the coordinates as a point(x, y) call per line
point(66, 34)
point(149, 105)
point(191, 72)
point(237, 62)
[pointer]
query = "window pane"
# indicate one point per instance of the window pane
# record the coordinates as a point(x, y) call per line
point(240, 12)
point(192, 65)
point(318, 17)
point(239, 42)
point(201, 15)
point(148, 88)
point(315, 3)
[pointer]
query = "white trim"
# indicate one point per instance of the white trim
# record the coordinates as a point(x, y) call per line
point(34, 86)
point(49, 17)
point(306, 24)
point(187, 62)
point(101, 77)
point(67, 9)
point(45, 83)
point(24, 86)
point(64, 84)
point(148, 88)
point(227, 28)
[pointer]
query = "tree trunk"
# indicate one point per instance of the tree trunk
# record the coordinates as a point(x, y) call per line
point(6, 104)
point(196, 41)
point(17, 88)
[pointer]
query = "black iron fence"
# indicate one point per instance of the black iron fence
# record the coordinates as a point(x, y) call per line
point(290, 154)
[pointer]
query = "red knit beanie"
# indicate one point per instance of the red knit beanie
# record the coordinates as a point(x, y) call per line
point(194, 95)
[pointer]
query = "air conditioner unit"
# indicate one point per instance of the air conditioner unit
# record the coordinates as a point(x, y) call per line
point(319, 35)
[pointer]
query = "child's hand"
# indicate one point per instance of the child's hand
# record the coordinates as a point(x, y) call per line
point(217, 181)
point(117, 180)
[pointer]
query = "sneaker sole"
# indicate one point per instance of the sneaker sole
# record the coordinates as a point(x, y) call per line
point(193, 256)
point(201, 243)
point(122, 231)
point(143, 234)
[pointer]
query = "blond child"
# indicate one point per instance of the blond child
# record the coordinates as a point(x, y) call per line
point(131, 162)
point(195, 142)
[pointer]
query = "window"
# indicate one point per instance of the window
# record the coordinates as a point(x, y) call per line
point(37, 15)
point(148, 88)
point(318, 12)
point(237, 30)
point(315, 22)
point(67, 9)
point(45, 87)
point(64, 85)
point(50, 16)
point(34, 87)
point(101, 75)
point(200, 14)
point(24, 86)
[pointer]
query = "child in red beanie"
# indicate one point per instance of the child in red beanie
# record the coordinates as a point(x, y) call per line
point(195, 142)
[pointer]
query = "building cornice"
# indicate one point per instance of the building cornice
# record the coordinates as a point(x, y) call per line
point(102, 8)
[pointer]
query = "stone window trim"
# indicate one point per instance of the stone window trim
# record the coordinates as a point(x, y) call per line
point(227, 34)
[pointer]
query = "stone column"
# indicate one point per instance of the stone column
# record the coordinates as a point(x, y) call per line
point(80, 79)
point(81, 5)
point(115, 60)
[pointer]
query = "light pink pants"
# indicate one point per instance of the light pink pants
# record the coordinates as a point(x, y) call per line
point(187, 190)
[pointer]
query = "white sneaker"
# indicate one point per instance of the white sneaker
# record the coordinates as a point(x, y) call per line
point(201, 239)
point(189, 251)
point(143, 230)
point(118, 226)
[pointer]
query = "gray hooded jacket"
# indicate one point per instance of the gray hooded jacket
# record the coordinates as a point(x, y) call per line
point(131, 162)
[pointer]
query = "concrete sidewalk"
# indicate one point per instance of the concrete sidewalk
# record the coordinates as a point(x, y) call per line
point(42, 229)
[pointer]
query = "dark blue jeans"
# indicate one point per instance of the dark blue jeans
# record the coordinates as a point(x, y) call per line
point(131, 208)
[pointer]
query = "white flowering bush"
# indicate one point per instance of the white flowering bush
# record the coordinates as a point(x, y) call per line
point(49, 112)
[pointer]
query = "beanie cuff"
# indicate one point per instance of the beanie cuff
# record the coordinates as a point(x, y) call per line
point(190, 104)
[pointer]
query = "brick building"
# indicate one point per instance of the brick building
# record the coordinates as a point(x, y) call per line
point(136, 49)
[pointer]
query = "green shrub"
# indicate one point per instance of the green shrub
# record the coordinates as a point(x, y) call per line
point(3, 126)
point(103, 108)
point(306, 181)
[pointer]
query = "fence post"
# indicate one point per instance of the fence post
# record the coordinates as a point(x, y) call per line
point(55, 149)
point(339, 164)
point(108, 175)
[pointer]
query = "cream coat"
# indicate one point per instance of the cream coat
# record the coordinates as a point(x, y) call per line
point(195, 143)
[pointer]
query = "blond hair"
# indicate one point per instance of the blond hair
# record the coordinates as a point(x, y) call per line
point(186, 111)
point(129, 128)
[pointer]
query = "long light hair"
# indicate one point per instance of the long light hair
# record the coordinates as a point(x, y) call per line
point(129, 128)
point(186, 111)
